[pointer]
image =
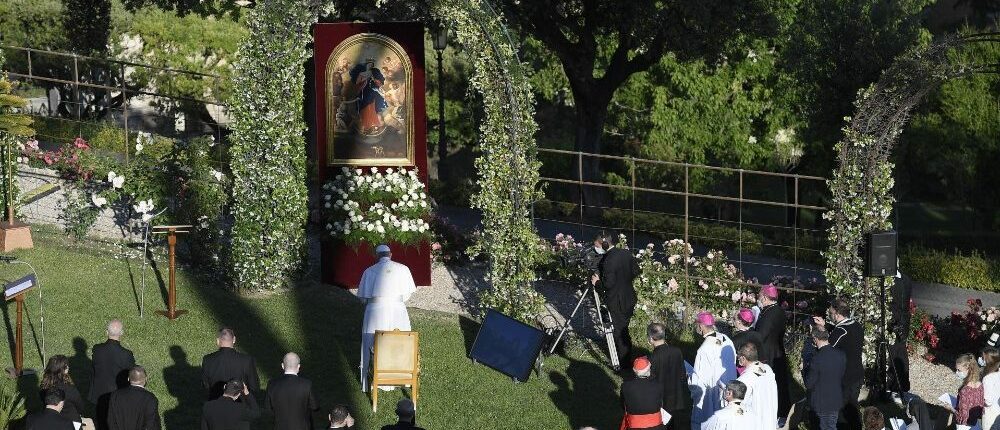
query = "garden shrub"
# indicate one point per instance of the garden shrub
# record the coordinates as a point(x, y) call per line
point(663, 226)
point(972, 271)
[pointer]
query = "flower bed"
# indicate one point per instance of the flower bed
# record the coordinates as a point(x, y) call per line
point(936, 338)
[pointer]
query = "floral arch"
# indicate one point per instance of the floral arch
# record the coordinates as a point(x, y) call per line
point(269, 160)
point(862, 182)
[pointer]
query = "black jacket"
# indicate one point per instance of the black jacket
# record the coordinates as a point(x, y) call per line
point(73, 405)
point(133, 408)
point(220, 366)
point(771, 326)
point(668, 369)
point(290, 399)
point(849, 337)
point(228, 414)
point(111, 364)
point(618, 269)
point(401, 426)
point(48, 419)
point(642, 396)
point(741, 338)
point(825, 380)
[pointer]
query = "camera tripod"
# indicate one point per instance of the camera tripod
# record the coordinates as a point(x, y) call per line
point(605, 328)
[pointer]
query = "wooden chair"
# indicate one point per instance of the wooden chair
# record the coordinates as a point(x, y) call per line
point(395, 362)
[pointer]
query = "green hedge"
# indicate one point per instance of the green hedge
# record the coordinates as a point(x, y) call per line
point(668, 227)
point(972, 270)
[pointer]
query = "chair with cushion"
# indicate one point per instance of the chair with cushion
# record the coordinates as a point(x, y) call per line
point(395, 363)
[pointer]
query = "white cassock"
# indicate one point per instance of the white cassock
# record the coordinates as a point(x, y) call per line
point(731, 417)
point(385, 286)
point(761, 399)
point(714, 364)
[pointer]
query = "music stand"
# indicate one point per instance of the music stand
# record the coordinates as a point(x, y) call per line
point(16, 291)
point(171, 231)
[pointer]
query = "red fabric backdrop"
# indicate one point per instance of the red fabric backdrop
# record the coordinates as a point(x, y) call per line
point(343, 265)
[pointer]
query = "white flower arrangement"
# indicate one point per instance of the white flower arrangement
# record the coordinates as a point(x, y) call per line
point(115, 180)
point(376, 207)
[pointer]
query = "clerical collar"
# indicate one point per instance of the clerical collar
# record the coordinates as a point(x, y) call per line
point(844, 321)
point(710, 334)
point(292, 373)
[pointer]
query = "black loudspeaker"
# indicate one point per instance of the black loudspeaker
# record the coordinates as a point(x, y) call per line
point(507, 345)
point(880, 254)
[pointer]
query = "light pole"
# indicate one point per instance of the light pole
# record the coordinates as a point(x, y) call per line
point(440, 43)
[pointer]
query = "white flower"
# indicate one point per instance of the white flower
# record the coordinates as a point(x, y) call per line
point(752, 140)
point(138, 147)
point(211, 140)
point(147, 217)
point(217, 175)
point(98, 200)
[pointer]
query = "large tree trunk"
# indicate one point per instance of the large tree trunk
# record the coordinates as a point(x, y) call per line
point(590, 118)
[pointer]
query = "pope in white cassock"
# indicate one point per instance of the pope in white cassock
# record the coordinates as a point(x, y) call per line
point(385, 287)
point(714, 367)
point(761, 399)
point(734, 415)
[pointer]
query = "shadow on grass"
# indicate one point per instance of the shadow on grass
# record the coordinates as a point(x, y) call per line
point(584, 385)
point(183, 382)
point(470, 329)
point(81, 368)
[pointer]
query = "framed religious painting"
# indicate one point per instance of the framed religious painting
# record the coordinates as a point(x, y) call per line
point(369, 103)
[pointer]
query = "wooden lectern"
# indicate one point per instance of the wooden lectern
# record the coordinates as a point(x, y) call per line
point(16, 291)
point(171, 231)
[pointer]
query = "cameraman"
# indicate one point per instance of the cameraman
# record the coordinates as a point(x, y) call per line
point(592, 256)
point(616, 271)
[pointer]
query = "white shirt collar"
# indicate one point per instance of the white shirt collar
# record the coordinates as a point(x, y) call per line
point(384, 259)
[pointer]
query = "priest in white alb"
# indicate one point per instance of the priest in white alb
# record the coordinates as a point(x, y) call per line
point(714, 367)
point(385, 287)
point(734, 415)
point(761, 399)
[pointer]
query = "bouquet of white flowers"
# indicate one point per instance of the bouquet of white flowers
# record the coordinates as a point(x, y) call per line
point(376, 207)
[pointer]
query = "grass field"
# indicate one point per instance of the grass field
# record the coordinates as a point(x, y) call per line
point(84, 286)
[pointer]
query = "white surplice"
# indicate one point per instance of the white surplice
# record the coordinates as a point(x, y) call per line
point(731, 417)
point(385, 287)
point(714, 367)
point(761, 399)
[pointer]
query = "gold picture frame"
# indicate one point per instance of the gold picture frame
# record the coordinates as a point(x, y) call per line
point(369, 103)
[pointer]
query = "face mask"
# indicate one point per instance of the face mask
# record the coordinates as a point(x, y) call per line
point(599, 250)
point(982, 363)
point(961, 375)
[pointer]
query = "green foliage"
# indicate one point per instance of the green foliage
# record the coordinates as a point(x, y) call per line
point(268, 146)
point(973, 270)
point(13, 126)
point(508, 167)
point(951, 148)
point(190, 43)
point(78, 213)
point(11, 404)
point(664, 226)
point(836, 48)
point(88, 26)
point(197, 176)
point(661, 114)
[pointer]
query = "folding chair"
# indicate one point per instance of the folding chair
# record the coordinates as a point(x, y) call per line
point(395, 362)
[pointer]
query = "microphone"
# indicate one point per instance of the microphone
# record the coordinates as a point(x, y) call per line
point(8, 258)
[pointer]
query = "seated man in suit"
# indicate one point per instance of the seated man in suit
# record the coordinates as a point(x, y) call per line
point(132, 407)
point(290, 397)
point(406, 412)
point(50, 418)
point(227, 364)
point(111, 364)
point(227, 413)
point(340, 418)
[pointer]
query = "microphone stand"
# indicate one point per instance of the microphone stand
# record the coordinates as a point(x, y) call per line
point(145, 252)
point(41, 303)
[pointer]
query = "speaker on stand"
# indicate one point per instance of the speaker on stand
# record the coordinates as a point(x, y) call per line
point(880, 262)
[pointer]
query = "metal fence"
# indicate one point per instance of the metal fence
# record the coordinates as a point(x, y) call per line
point(768, 224)
point(75, 86)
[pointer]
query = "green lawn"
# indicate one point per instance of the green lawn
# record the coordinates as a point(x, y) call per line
point(86, 286)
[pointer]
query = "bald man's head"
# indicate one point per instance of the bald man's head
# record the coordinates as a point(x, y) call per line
point(291, 363)
point(115, 329)
point(137, 376)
